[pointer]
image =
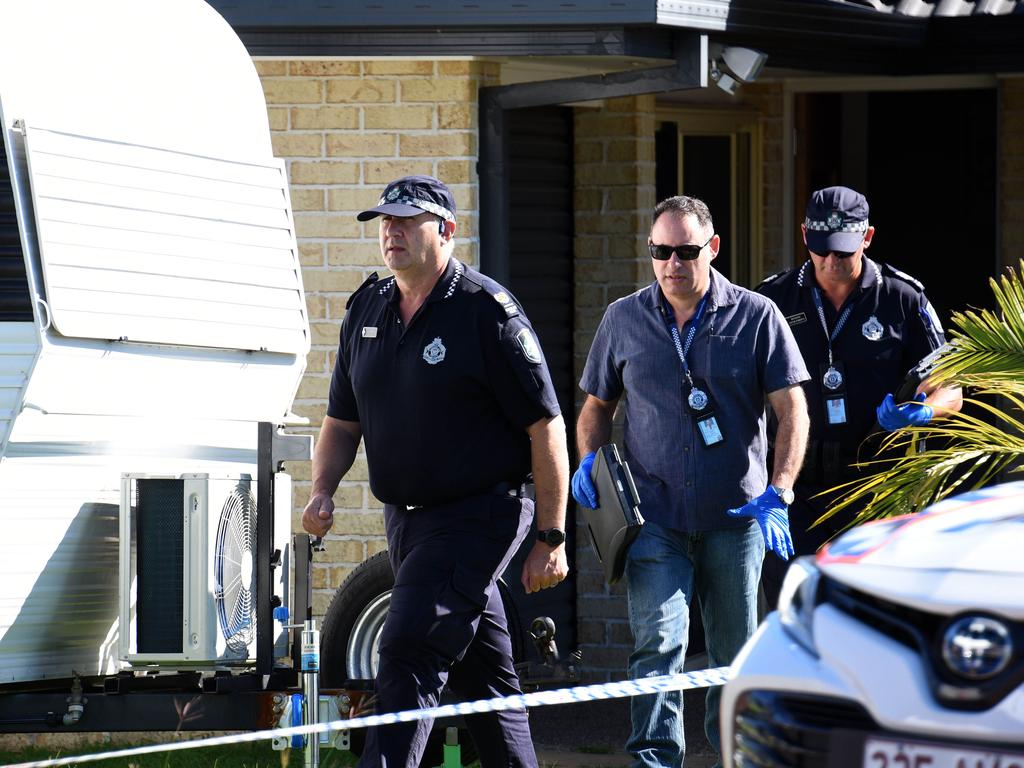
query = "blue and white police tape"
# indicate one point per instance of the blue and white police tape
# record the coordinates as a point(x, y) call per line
point(704, 678)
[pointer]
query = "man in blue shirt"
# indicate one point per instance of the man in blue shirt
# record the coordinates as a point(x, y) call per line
point(696, 357)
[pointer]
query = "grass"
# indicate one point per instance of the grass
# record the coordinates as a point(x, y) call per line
point(252, 755)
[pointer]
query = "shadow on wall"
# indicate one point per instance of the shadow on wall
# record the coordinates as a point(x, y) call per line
point(68, 619)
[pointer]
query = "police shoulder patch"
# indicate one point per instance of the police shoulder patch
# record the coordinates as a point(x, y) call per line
point(900, 275)
point(528, 344)
point(368, 281)
point(771, 278)
point(507, 303)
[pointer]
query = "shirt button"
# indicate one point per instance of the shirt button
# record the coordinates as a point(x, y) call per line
point(688, 483)
point(686, 449)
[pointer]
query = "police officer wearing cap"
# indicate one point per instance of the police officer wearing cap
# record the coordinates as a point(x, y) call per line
point(440, 373)
point(861, 325)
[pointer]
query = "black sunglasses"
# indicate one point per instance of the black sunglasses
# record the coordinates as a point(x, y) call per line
point(837, 254)
point(687, 252)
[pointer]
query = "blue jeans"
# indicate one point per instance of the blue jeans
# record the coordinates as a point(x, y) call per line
point(665, 568)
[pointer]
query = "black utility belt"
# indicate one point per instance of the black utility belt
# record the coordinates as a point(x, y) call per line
point(507, 488)
point(827, 460)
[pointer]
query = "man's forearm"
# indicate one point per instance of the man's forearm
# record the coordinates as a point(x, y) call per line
point(594, 426)
point(790, 437)
point(334, 454)
point(550, 460)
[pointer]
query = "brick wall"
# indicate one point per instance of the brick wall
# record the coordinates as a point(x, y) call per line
point(1011, 170)
point(345, 129)
point(767, 99)
point(614, 197)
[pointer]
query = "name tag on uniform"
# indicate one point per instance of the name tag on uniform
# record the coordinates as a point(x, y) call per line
point(796, 319)
point(369, 332)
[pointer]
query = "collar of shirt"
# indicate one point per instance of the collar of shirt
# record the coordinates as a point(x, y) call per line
point(723, 294)
point(443, 288)
point(870, 275)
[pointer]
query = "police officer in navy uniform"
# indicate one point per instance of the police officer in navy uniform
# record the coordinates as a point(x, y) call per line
point(861, 326)
point(441, 374)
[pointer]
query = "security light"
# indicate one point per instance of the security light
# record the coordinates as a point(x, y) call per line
point(745, 63)
point(731, 65)
point(722, 80)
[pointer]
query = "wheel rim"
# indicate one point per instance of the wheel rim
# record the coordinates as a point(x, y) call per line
point(364, 642)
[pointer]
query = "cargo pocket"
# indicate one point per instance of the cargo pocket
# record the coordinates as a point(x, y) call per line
point(457, 613)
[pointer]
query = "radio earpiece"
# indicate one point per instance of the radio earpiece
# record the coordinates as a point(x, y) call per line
point(440, 227)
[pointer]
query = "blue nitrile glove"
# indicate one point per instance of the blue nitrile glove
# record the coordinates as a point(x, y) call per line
point(893, 417)
point(772, 516)
point(583, 489)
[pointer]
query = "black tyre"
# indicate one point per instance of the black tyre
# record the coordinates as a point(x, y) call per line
point(351, 635)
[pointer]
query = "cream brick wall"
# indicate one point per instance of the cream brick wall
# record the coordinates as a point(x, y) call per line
point(345, 129)
point(767, 99)
point(615, 192)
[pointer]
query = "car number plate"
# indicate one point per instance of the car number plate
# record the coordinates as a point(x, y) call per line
point(887, 753)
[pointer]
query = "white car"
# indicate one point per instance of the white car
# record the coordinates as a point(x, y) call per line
point(899, 646)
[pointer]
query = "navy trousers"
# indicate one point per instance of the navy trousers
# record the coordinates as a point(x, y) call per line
point(446, 626)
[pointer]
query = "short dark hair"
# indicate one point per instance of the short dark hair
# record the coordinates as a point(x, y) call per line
point(681, 205)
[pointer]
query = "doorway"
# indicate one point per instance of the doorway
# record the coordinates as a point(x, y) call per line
point(926, 161)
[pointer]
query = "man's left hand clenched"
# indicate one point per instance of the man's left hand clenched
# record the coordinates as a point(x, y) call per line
point(545, 567)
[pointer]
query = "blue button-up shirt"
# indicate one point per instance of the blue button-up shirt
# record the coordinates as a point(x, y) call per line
point(742, 350)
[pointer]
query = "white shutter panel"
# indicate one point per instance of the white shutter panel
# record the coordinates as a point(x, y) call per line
point(157, 246)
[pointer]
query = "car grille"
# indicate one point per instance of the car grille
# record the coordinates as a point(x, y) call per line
point(774, 730)
point(922, 632)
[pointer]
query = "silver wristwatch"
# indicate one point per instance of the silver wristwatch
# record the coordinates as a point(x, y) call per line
point(786, 494)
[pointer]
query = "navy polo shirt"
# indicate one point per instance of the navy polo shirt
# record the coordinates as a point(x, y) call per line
point(741, 351)
point(890, 328)
point(444, 402)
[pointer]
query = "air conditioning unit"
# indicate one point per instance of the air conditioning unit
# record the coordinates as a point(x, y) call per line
point(188, 570)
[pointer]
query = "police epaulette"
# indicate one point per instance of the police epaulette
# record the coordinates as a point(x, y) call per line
point(507, 303)
point(368, 281)
point(771, 278)
point(904, 276)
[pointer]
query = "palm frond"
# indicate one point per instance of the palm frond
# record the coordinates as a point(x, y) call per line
point(986, 346)
point(973, 451)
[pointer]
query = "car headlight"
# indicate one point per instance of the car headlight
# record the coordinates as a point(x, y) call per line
point(797, 600)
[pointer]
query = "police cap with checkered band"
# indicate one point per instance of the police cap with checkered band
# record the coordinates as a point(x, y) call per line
point(836, 220)
point(411, 196)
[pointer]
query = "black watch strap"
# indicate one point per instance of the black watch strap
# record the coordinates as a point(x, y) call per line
point(551, 536)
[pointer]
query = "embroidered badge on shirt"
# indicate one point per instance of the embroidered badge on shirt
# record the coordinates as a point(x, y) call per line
point(531, 350)
point(511, 310)
point(796, 319)
point(369, 332)
point(433, 353)
point(872, 329)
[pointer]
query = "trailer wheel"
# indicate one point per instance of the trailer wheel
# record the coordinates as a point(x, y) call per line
point(351, 636)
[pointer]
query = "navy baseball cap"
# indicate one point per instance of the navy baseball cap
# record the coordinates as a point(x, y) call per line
point(836, 220)
point(411, 196)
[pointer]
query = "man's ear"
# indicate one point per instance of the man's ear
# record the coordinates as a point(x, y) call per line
point(803, 233)
point(714, 246)
point(867, 237)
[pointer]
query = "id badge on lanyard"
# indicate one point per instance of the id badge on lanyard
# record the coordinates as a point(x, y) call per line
point(701, 406)
point(833, 376)
point(699, 402)
point(833, 383)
